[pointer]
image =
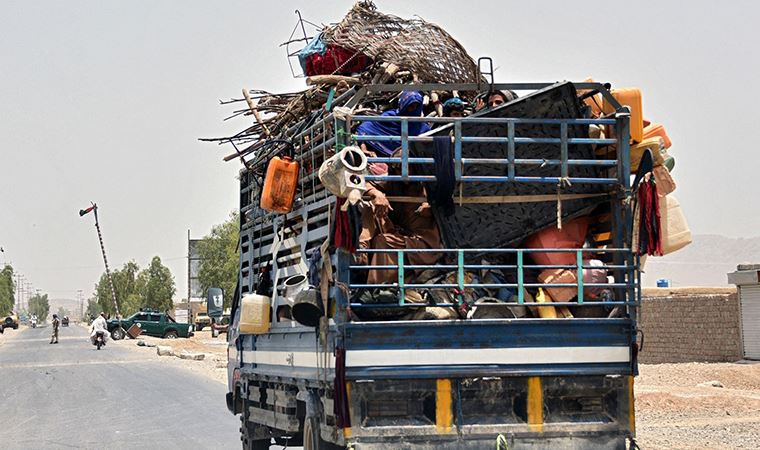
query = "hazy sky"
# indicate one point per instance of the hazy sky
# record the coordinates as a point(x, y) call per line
point(104, 102)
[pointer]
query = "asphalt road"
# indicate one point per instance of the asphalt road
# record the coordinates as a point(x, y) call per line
point(71, 395)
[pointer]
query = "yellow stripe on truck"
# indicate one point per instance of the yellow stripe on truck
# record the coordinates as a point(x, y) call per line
point(535, 404)
point(444, 414)
point(631, 407)
point(347, 432)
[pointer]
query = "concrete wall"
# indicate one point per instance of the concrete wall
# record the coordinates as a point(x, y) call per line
point(691, 327)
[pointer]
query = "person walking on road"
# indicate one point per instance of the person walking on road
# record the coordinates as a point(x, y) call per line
point(56, 324)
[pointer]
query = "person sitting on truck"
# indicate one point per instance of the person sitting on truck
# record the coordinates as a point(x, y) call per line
point(398, 225)
point(453, 107)
point(409, 105)
point(495, 99)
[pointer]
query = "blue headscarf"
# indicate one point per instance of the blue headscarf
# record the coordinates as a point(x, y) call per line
point(451, 104)
point(393, 128)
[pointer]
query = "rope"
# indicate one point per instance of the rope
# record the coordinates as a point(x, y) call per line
point(563, 181)
point(501, 443)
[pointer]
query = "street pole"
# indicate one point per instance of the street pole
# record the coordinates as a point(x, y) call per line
point(80, 297)
point(21, 290)
point(28, 293)
point(189, 315)
point(82, 212)
point(18, 293)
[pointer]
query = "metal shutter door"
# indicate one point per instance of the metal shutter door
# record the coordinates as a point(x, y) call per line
point(750, 312)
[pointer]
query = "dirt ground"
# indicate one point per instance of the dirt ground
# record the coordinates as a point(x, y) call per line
point(214, 364)
point(678, 408)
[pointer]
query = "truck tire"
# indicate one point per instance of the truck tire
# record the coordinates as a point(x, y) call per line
point(171, 334)
point(245, 437)
point(118, 334)
point(311, 437)
point(199, 327)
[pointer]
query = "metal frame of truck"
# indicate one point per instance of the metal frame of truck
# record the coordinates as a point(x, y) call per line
point(521, 383)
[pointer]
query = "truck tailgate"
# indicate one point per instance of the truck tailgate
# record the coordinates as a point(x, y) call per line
point(498, 347)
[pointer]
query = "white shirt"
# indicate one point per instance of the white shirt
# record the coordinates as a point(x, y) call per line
point(99, 324)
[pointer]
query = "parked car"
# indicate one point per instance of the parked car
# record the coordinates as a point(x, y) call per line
point(153, 323)
point(202, 320)
point(11, 321)
point(222, 324)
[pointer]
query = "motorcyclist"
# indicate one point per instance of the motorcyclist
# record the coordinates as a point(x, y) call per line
point(99, 324)
point(34, 320)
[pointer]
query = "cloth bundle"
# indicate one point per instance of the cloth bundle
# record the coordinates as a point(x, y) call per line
point(441, 194)
point(648, 238)
point(348, 226)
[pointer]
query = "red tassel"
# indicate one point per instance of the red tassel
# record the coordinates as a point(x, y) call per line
point(343, 235)
point(649, 225)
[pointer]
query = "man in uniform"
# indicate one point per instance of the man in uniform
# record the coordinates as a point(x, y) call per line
point(56, 324)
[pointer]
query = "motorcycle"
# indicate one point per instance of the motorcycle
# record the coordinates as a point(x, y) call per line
point(100, 339)
point(34, 323)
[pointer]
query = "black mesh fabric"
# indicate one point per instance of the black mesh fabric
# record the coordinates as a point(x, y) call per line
point(505, 225)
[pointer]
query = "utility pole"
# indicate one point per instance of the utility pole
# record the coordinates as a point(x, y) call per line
point(20, 287)
point(189, 315)
point(18, 292)
point(81, 304)
point(94, 208)
point(28, 293)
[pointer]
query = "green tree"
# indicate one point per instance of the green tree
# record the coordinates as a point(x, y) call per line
point(219, 258)
point(62, 311)
point(7, 290)
point(156, 286)
point(152, 287)
point(93, 309)
point(39, 306)
point(125, 285)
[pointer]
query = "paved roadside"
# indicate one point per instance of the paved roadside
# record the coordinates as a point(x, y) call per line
point(213, 365)
point(71, 395)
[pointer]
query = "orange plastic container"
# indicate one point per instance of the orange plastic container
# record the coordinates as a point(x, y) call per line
point(656, 129)
point(630, 97)
point(572, 235)
point(280, 185)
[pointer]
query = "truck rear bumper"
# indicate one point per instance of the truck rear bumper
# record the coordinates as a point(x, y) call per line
point(606, 442)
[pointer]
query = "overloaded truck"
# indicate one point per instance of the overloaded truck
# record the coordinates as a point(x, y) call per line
point(517, 329)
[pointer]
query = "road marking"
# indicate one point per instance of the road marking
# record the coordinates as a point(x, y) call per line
point(60, 338)
point(80, 363)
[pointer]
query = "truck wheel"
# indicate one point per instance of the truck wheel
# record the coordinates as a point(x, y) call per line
point(246, 438)
point(171, 334)
point(311, 434)
point(118, 334)
point(311, 438)
point(199, 328)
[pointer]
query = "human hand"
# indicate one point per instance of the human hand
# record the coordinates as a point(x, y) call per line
point(423, 208)
point(380, 204)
